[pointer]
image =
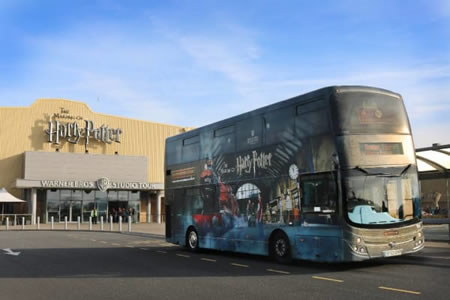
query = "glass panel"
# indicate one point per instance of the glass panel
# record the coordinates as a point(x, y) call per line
point(423, 166)
point(134, 211)
point(359, 112)
point(53, 206)
point(77, 195)
point(319, 193)
point(312, 123)
point(191, 152)
point(382, 197)
point(437, 157)
point(123, 195)
point(192, 140)
point(88, 195)
point(64, 210)
point(52, 195)
point(134, 196)
point(173, 152)
point(102, 209)
point(279, 126)
point(112, 195)
point(75, 210)
point(88, 206)
point(66, 195)
point(102, 205)
point(435, 201)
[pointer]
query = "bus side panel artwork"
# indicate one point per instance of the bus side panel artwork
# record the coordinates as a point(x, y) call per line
point(243, 197)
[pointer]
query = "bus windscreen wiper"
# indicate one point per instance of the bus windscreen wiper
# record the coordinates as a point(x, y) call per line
point(373, 174)
point(382, 174)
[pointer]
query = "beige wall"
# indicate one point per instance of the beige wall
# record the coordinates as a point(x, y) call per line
point(23, 129)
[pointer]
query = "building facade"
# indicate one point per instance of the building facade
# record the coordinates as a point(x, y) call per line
point(64, 160)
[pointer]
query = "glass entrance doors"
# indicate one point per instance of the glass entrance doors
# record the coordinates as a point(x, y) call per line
point(70, 209)
point(78, 203)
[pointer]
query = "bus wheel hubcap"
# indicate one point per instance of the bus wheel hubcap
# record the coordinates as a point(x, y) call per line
point(193, 239)
point(280, 247)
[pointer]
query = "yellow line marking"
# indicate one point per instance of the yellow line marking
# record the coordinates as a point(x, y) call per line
point(143, 248)
point(278, 271)
point(208, 259)
point(129, 246)
point(183, 255)
point(399, 290)
point(239, 265)
point(93, 240)
point(115, 244)
point(159, 251)
point(326, 278)
point(103, 242)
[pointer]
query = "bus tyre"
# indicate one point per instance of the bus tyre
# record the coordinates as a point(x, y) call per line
point(280, 248)
point(192, 239)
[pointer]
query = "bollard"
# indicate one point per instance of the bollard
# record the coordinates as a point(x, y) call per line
point(23, 223)
point(38, 223)
point(90, 223)
point(65, 222)
point(120, 223)
point(101, 223)
point(78, 223)
point(53, 223)
point(7, 223)
point(111, 223)
point(129, 224)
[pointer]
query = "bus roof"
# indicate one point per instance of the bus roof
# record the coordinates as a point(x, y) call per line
point(297, 99)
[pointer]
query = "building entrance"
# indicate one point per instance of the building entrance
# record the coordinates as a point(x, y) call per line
point(70, 209)
point(79, 203)
point(118, 209)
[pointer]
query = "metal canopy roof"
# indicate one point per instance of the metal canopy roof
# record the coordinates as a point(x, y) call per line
point(434, 159)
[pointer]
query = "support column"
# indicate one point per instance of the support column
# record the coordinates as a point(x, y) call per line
point(149, 208)
point(33, 205)
point(158, 206)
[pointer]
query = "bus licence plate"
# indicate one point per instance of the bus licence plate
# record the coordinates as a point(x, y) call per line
point(389, 253)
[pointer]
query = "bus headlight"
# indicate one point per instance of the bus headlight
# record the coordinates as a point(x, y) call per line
point(362, 250)
point(419, 234)
point(358, 240)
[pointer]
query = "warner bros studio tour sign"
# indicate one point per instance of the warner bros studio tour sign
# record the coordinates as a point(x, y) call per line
point(73, 133)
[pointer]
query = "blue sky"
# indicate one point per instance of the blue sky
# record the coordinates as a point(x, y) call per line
point(192, 62)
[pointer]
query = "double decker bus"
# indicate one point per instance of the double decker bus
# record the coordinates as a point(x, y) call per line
point(327, 176)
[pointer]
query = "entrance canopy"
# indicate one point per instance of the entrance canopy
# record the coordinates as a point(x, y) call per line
point(6, 197)
point(435, 158)
point(434, 175)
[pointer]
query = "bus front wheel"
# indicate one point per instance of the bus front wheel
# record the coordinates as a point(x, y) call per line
point(280, 248)
point(192, 239)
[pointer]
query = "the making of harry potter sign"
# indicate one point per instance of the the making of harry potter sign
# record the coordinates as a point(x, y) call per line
point(73, 133)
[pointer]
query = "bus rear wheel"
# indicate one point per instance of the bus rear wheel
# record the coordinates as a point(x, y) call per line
point(192, 239)
point(280, 248)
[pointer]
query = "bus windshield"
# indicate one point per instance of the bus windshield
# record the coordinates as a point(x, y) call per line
point(381, 195)
point(368, 113)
